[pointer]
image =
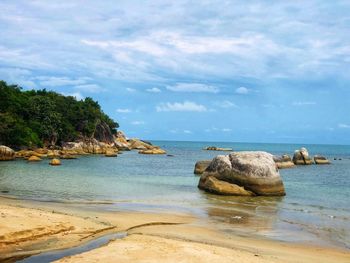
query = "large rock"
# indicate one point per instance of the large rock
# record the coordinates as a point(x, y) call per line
point(284, 161)
point(6, 153)
point(103, 133)
point(200, 166)
point(321, 160)
point(137, 144)
point(120, 141)
point(301, 157)
point(248, 173)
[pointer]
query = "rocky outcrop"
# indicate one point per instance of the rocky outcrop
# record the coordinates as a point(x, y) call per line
point(200, 166)
point(214, 148)
point(136, 144)
point(103, 133)
point(88, 145)
point(301, 157)
point(6, 153)
point(321, 160)
point(243, 173)
point(120, 141)
point(283, 162)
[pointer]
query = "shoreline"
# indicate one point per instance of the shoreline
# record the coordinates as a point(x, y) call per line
point(45, 226)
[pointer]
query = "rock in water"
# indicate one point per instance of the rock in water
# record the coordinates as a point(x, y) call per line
point(283, 161)
point(321, 160)
point(301, 157)
point(214, 148)
point(34, 158)
point(200, 166)
point(155, 150)
point(55, 162)
point(111, 153)
point(6, 153)
point(243, 173)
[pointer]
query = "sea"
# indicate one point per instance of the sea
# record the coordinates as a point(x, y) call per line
point(315, 210)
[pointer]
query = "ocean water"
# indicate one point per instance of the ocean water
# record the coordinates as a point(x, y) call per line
point(316, 209)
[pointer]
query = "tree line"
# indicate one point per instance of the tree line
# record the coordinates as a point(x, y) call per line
point(37, 118)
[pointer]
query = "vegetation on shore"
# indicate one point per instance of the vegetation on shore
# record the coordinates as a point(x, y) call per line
point(37, 118)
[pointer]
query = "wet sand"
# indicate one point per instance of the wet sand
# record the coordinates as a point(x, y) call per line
point(28, 228)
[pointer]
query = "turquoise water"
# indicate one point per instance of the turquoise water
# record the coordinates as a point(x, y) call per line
point(315, 210)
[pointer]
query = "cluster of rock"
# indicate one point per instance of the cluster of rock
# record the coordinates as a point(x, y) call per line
point(300, 157)
point(250, 173)
point(242, 173)
point(70, 150)
point(214, 148)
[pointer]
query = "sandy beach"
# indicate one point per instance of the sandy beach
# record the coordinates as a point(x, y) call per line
point(29, 228)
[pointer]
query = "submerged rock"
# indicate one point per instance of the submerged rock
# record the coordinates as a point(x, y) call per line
point(284, 161)
point(6, 153)
point(155, 150)
point(243, 173)
point(200, 166)
point(34, 158)
point(110, 153)
point(55, 161)
point(214, 148)
point(301, 157)
point(321, 160)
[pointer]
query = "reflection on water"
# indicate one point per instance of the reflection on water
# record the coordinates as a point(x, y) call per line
point(244, 214)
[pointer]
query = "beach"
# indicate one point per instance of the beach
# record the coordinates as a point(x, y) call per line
point(30, 228)
point(105, 209)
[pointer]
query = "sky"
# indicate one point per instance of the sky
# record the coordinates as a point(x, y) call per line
point(238, 71)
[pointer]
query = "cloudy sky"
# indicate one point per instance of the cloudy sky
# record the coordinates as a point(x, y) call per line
point(254, 71)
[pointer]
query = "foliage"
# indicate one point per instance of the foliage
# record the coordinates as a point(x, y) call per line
point(37, 118)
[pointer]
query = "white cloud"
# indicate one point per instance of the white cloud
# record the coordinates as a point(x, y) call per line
point(226, 130)
point(242, 90)
point(178, 106)
point(303, 103)
point(226, 104)
point(91, 88)
point(193, 87)
point(137, 122)
point(343, 126)
point(18, 76)
point(130, 90)
point(123, 110)
point(47, 81)
point(187, 131)
point(154, 90)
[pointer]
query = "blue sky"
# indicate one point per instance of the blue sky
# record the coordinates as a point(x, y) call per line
point(254, 71)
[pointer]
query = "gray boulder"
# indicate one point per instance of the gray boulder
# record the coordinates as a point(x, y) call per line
point(243, 173)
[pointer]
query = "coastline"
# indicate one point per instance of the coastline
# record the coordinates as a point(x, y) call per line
point(32, 227)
